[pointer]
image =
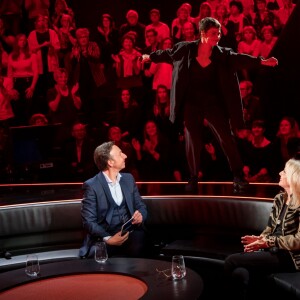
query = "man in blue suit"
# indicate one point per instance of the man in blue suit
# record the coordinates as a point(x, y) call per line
point(110, 199)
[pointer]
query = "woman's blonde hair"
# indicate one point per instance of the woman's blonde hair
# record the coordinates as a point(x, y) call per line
point(292, 169)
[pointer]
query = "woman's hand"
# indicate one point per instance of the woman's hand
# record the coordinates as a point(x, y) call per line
point(29, 92)
point(75, 89)
point(248, 239)
point(256, 245)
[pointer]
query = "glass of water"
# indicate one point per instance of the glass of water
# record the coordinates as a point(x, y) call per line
point(32, 268)
point(100, 252)
point(178, 267)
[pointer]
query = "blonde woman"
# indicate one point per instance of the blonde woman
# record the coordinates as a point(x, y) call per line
point(277, 248)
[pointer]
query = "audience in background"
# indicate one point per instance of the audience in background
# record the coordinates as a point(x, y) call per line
point(98, 59)
point(22, 68)
point(77, 162)
point(7, 94)
point(288, 129)
point(87, 70)
point(162, 29)
point(133, 25)
point(64, 103)
point(44, 42)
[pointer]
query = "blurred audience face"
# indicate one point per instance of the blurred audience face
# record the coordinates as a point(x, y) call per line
point(106, 22)
point(188, 30)
point(154, 17)
point(22, 41)
point(79, 131)
point(132, 18)
point(257, 131)
point(183, 14)
point(115, 134)
point(285, 127)
point(151, 37)
point(245, 89)
point(65, 20)
point(61, 78)
point(162, 94)
point(150, 129)
point(127, 44)
point(125, 96)
point(167, 44)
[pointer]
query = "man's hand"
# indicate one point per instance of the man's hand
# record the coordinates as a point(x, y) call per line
point(145, 58)
point(270, 62)
point(117, 239)
point(137, 218)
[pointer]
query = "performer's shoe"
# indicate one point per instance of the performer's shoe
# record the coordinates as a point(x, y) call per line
point(240, 185)
point(192, 185)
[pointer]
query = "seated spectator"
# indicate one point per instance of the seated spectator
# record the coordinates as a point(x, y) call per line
point(183, 16)
point(288, 129)
point(115, 135)
point(64, 103)
point(259, 157)
point(162, 29)
point(134, 25)
point(38, 120)
point(160, 113)
point(23, 70)
point(44, 42)
point(262, 17)
point(236, 15)
point(7, 94)
point(107, 37)
point(152, 40)
point(189, 32)
point(156, 161)
point(249, 44)
point(128, 66)
point(205, 10)
point(252, 108)
point(66, 35)
point(161, 72)
point(60, 8)
point(228, 28)
point(77, 155)
point(87, 70)
point(129, 116)
point(268, 41)
point(214, 165)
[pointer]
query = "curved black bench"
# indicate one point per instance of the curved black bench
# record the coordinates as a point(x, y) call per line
point(205, 229)
point(204, 226)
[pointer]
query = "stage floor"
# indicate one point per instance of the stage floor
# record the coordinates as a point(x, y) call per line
point(27, 193)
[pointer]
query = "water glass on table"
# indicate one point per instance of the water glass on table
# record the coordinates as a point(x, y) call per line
point(100, 252)
point(178, 267)
point(32, 268)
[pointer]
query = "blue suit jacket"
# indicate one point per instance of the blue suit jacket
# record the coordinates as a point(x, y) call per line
point(97, 206)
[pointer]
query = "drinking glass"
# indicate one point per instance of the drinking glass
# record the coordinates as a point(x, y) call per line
point(178, 267)
point(32, 268)
point(100, 252)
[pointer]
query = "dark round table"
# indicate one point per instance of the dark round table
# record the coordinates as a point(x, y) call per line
point(128, 278)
